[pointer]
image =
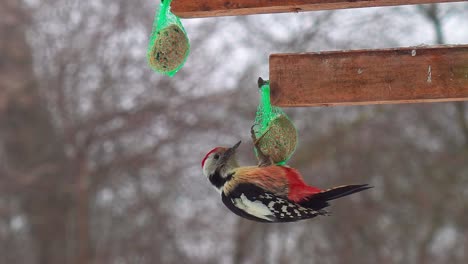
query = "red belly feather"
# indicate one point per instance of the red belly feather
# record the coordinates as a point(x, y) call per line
point(298, 189)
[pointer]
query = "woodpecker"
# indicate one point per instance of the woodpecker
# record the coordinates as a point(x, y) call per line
point(267, 192)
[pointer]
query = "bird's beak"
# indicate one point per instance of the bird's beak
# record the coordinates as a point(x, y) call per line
point(230, 151)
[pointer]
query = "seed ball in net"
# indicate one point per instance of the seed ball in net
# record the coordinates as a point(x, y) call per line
point(280, 139)
point(170, 49)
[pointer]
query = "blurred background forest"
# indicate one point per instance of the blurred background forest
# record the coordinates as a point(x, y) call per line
point(100, 156)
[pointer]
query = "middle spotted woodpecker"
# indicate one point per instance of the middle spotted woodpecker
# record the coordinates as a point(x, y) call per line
point(267, 193)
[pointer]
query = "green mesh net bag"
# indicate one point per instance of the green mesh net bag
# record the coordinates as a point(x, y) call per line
point(169, 46)
point(274, 133)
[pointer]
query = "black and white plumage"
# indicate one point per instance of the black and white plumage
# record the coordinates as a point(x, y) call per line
point(268, 193)
point(252, 202)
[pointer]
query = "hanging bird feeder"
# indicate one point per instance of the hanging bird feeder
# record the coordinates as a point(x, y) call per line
point(169, 46)
point(273, 132)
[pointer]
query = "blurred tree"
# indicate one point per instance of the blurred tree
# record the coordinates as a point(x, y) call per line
point(34, 167)
point(76, 128)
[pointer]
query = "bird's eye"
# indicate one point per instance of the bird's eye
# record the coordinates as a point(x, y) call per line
point(216, 156)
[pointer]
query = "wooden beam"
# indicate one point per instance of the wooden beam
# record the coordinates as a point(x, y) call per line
point(213, 8)
point(403, 75)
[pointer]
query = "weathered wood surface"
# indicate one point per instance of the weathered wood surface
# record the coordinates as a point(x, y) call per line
point(213, 8)
point(402, 75)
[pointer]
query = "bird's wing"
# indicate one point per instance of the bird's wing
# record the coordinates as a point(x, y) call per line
point(254, 203)
point(272, 179)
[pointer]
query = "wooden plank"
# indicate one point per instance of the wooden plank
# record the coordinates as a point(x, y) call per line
point(403, 75)
point(212, 8)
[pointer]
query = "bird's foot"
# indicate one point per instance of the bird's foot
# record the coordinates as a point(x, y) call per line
point(252, 134)
point(263, 160)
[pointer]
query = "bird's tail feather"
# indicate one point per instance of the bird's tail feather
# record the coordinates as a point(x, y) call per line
point(341, 191)
point(319, 200)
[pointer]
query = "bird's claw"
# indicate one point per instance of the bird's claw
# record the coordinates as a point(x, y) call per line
point(263, 160)
point(252, 134)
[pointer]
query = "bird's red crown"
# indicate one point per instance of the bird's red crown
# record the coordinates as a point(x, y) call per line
point(206, 156)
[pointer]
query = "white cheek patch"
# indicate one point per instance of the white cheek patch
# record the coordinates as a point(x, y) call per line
point(205, 170)
point(255, 208)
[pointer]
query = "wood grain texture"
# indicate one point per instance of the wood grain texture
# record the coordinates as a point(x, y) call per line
point(213, 8)
point(403, 75)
